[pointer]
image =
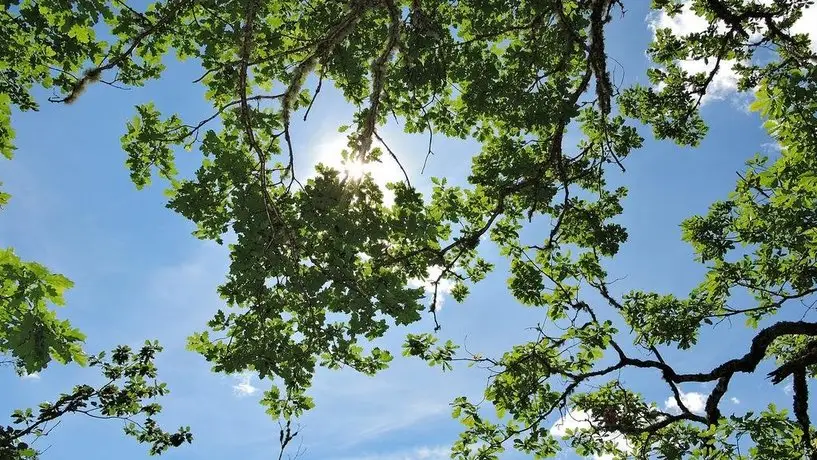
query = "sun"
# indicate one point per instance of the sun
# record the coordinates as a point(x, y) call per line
point(328, 153)
point(354, 169)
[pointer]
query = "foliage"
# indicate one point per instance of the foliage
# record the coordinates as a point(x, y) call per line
point(321, 268)
point(41, 44)
point(128, 395)
point(32, 335)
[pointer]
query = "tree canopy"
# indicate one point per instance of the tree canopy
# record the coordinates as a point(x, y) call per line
point(321, 267)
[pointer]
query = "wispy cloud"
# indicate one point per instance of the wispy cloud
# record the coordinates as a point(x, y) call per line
point(788, 389)
point(417, 453)
point(734, 400)
point(407, 398)
point(186, 290)
point(244, 386)
point(409, 415)
point(32, 376)
point(771, 147)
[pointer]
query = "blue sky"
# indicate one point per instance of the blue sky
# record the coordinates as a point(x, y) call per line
point(139, 273)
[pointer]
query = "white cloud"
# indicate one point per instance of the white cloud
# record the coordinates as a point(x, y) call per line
point(579, 420)
point(574, 420)
point(417, 453)
point(734, 400)
point(684, 23)
point(694, 401)
point(807, 24)
point(725, 81)
point(444, 286)
point(244, 386)
point(32, 376)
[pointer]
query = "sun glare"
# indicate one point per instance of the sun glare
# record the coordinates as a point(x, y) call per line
point(382, 172)
point(355, 170)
